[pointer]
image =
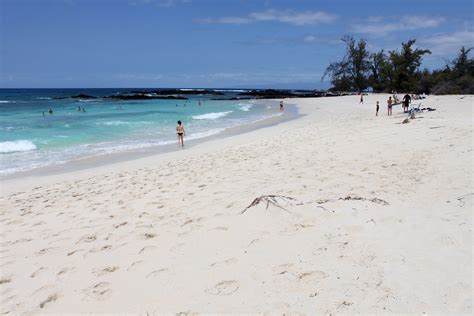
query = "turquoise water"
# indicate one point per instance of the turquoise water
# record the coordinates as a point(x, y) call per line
point(30, 137)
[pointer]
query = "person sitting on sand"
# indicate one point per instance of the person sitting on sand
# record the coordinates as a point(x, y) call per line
point(377, 109)
point(181, 133)
point(389, 106)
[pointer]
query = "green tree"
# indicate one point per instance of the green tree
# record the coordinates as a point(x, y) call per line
point(406, 64)
point(352, 72)
point(457, 77)
point(463, 65)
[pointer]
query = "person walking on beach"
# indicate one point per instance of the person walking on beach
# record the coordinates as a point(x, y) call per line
point(377, 109)
point(389, 106)
point(281, 105)
point(361, 99)
point(406, 102)
point(181, 133)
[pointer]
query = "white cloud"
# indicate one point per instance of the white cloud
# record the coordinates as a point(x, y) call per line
point(377, 27)
point(139, 77)
point(312, 39)
point(448, 43)
point(171, 3)
point(287, 16)
point(159, 3)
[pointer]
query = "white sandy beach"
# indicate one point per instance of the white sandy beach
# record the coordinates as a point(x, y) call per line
point(377, 219)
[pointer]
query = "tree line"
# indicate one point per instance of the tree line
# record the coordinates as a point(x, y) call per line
point(399, 71)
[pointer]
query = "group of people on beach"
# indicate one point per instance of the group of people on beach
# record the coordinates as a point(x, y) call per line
point(391, 102)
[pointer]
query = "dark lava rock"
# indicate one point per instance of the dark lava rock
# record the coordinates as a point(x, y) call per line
point(179, 92)
point(79, 96)
point(144, 97)
point(281, 94)
point(232, 99)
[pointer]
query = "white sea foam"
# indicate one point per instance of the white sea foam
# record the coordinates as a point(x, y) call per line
point(116, 123)
point(211, 116)
point(3, 101)
point(245, 106)
point(232, 90)
point(113, 123)
point(43, 98)
point(9, 128)
point(205, 134)
point(17, 145)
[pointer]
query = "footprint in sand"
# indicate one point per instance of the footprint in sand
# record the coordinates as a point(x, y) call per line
point(223, 288)
point(152, 274)
point(99, 249)
point(134, 265)
point(74, 251)
point(45, 250)
point(87, 238)
point(104, 271)
point(146, 249)
point(311, 276)
point(224, 262)
point(120, 225)
point(283, 268)
point(65, 270)
point(99, 291)
point(146, 236)
point(5, 280)
point(37, 272)
point(48, 300)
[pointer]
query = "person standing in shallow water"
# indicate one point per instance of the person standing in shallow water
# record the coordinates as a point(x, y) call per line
point(281, 105)
point(377, 109)
point(181, 133)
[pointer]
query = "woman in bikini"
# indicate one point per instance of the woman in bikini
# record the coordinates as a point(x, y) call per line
point(389, 106)
point(180, 132)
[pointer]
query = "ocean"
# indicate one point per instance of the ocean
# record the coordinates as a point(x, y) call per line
point(78, 128)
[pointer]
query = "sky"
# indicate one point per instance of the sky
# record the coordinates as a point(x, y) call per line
point(212, 43)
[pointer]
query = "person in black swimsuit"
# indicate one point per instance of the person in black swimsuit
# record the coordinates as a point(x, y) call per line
point(406, 102)
point(389, 106)
point(181, 133)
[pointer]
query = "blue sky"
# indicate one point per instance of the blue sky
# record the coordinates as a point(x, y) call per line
point(211, 43)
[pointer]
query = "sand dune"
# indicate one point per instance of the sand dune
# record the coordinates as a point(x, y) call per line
point(366, 215)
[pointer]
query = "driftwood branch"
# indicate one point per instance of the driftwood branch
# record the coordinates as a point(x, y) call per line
point(269, 199)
